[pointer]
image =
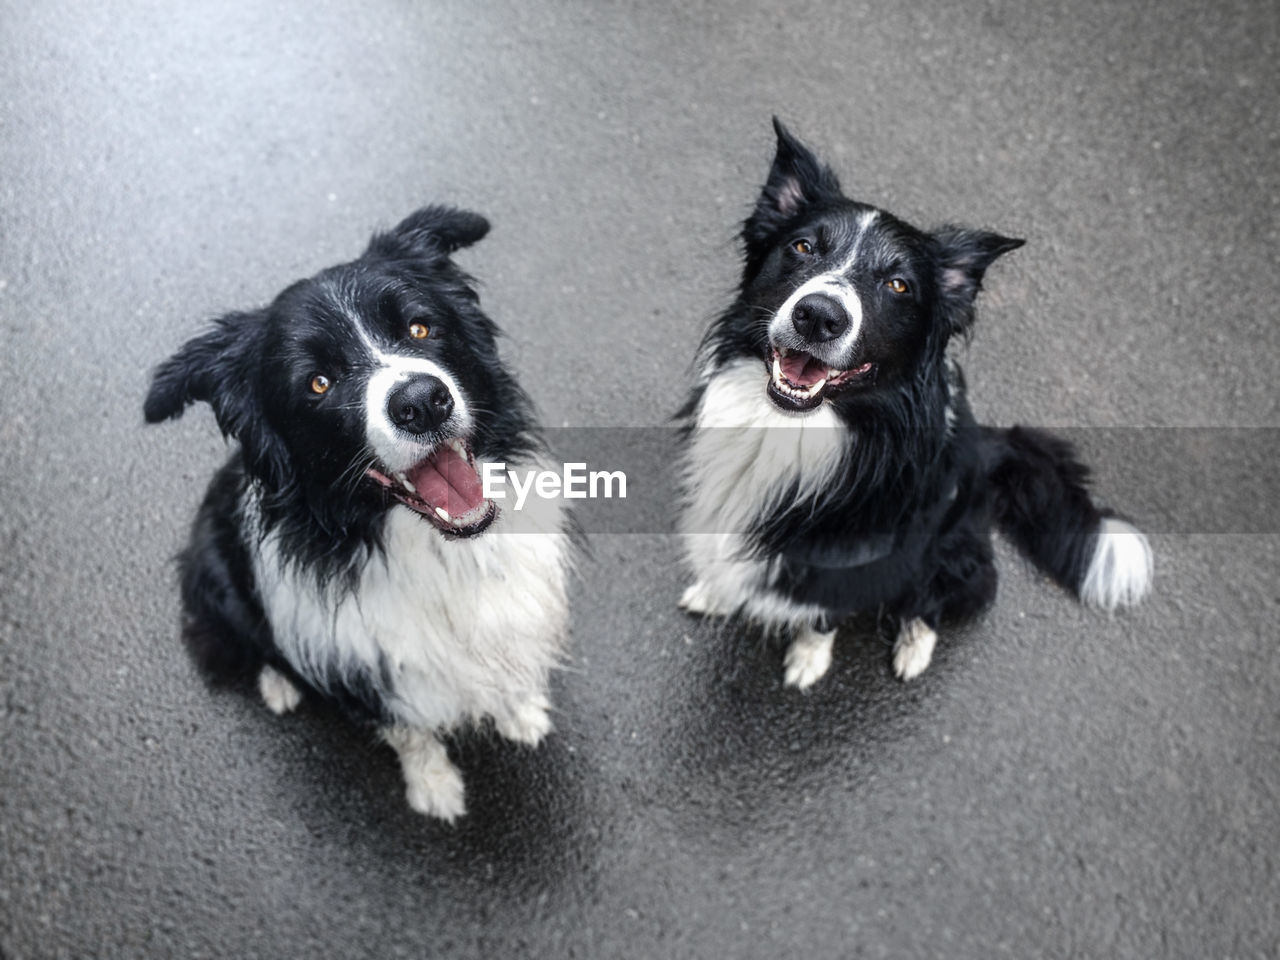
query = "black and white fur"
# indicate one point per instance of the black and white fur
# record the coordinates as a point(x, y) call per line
point(316, 561)
point(833, 464)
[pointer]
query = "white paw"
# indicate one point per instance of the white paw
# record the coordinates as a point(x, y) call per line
point(1120, 571)
point(433, 785)
point(436, 790)
point(808, 659)
point(913, 649)
point(278, 691)
point(697, 600)
point(528, 723)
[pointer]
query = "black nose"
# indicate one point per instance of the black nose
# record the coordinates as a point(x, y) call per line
point(420, 404)
point(818, 318)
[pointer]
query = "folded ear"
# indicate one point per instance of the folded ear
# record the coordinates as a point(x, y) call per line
point(212, 368)
point(796, 180)
point(962, 257)
point(198, 370)
point(217, 368)
point(429, 233)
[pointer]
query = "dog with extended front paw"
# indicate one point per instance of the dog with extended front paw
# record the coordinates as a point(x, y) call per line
point(832, 462)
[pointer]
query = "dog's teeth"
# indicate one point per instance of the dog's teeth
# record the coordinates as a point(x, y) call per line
point(777, 370)
point(443, 514)
point(817, 386)
point(407, 485)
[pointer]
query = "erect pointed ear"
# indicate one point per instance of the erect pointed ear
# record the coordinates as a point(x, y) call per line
point(429, 233)
point(797, 180)
point(200, 371)
point(962, 257)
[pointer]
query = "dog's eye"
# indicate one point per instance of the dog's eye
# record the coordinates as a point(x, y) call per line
point(320, 383)
point(419, 331)
point(802, 247)
point(897, 285)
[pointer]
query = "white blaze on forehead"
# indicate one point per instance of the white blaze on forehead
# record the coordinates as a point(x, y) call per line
point(864, 224)
point(836, 285)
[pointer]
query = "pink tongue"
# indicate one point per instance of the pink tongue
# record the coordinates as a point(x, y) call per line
point(446, 479)
point(802, 370)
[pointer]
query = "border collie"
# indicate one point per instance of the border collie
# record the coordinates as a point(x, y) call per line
point(346, 547)
point(833, 464)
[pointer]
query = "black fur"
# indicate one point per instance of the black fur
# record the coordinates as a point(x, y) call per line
point(1044, 506)
point(306, 459)
point(905, 523)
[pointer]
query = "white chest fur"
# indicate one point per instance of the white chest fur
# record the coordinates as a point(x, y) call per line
point(448, 631)
point(744, 455)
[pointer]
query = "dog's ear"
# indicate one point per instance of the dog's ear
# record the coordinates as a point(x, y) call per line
point(797, 180)
point(203, 370)
point(962, 257)
point(217, 368)
point(430, 233)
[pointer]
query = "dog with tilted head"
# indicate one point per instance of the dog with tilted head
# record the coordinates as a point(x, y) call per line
point(347, 547)
point(832, 463)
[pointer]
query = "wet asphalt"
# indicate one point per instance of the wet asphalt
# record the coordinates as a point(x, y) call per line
point(1058, 784)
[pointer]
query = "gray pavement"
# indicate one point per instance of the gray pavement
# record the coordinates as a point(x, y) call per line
point(1059, 784)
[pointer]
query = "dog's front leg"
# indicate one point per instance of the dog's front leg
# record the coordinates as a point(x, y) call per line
point(527, 721)
point(697, 600)
point(278, 691)
point(808, 657)
point(913, 648)
point(433, 785)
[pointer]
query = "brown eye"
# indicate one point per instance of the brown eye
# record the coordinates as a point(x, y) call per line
point(418, 331)
point(802, 246)
point(320, 383)
point(897, 285)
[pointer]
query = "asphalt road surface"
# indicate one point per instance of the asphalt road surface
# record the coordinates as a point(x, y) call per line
point(1059, 784)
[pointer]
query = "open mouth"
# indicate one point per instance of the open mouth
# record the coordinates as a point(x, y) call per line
point(445, 488)
point(800, 381)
